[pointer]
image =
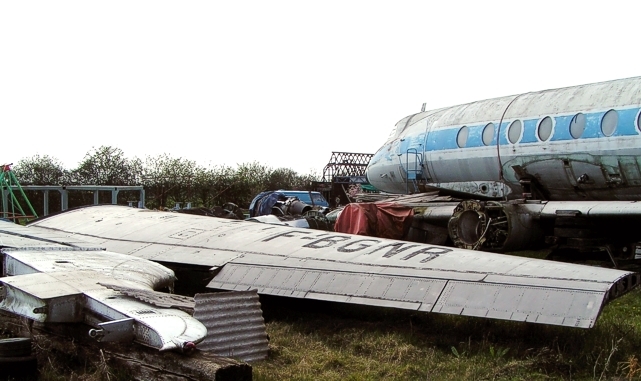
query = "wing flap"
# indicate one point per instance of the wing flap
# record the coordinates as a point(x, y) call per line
point(567, 306)
point(360, 288)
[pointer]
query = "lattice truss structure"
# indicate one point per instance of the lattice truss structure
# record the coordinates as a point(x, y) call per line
point(344, 164)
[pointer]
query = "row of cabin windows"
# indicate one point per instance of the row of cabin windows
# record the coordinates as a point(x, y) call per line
point(545, 128)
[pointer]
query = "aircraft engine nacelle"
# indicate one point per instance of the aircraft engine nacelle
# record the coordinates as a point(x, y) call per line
point(495, 226)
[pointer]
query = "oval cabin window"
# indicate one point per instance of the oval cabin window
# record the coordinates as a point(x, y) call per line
point(514, 131)
point(609, 123)
point(577, 125)
point(488, 134)
point(461, 138)
point(545, 128)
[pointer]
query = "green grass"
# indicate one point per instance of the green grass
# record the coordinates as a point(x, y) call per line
point(330, 341)
point(335, 342)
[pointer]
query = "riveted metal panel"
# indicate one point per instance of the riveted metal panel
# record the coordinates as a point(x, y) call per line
point(368, 289)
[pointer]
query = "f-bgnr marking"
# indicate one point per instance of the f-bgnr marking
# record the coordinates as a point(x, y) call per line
point(350, 244)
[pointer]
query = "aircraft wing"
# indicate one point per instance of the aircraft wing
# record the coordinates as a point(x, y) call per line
point(591, 209)
point(302, 263)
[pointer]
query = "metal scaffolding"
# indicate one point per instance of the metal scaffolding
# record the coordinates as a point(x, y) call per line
point(346, 164)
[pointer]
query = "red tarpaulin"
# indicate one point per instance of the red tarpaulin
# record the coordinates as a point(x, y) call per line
point(384, 220)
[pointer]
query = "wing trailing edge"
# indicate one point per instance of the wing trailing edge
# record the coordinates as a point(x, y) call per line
point(577, 305)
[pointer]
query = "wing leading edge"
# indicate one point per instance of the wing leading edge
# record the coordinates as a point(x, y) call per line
point(301, 263)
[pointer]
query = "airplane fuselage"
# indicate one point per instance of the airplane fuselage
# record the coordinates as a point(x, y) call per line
point(575, 143)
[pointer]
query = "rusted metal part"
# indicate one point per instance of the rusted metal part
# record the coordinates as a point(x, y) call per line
point(343, 164)
point(494, 226)
point(235, 325)
point(158, 299)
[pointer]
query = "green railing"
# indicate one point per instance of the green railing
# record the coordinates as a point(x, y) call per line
point(11, 207)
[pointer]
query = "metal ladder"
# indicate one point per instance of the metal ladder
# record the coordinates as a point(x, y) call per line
point(413, 175)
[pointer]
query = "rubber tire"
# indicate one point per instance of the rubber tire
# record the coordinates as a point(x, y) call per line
point(15, 347)
point(19, 368)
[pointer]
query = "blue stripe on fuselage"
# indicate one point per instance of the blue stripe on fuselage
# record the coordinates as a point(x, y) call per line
point(445, 139)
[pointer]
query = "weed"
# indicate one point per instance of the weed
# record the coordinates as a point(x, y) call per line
point(499, 353)
point(457, 354)
point(631, 367)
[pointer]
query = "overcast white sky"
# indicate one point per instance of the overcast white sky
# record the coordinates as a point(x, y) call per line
point(280, 82)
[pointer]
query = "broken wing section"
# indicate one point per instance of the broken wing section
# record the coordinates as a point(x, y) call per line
point(66, 285)
point(572, 303)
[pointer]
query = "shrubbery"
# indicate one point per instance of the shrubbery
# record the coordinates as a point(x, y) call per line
point(166, 180)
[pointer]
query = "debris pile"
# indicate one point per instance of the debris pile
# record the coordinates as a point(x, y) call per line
point(276, 207)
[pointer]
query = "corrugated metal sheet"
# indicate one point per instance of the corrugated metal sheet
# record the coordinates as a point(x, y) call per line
point(235, 325)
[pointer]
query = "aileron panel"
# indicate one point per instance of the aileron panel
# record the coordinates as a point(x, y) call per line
point(532, 304)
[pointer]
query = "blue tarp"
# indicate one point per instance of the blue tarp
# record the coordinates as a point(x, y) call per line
point(262, 204)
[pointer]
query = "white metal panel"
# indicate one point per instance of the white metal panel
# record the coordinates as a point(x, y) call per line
point(40, 297)
point(592, 208)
